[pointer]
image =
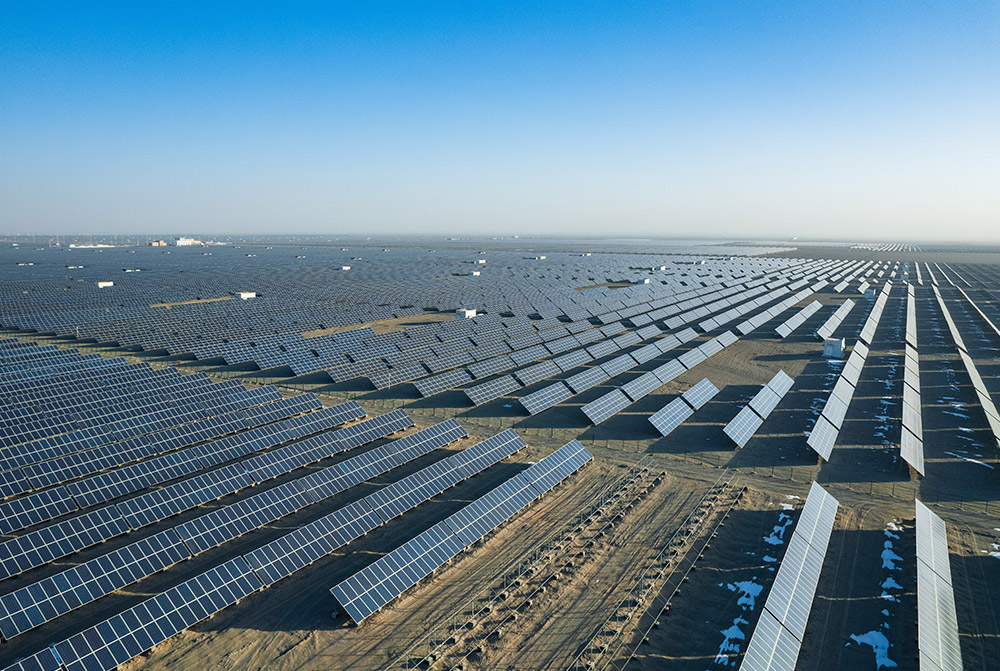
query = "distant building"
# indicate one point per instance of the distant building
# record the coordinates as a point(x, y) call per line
point(644, 280)
point(345, 267)
point(104, 284)
point(158, 243)
point(187, 242)
point(244, 295)
point(474, 273)
point(464, 314)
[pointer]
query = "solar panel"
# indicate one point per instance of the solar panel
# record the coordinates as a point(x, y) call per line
point(671, 416)
point(489, 511)
point(911, 449)
point(764, 402)
point(605, 406)
point(668, 371)
point(692, 358)
point(370, 589)
point(545, 398)
point(700, 394)
point(123, 636)
point(536, 372)
point(586, 379)
point(781, 383)
point(823, 437)
point(777, 639)
point(772, 647)
point(297, 549)
point(554, 468)
point(843, 390)
point(834, 411)
point(44, 660)
point(59, 540)
point(35, 508)
point(492, 389)
point(35, 604)
point(435, 384)
point(641, 386)
point(743, 426)
point(619, 365)
point(937, 624)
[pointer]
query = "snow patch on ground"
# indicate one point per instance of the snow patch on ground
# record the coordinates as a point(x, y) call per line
point(730, 642)
point(969, 459)
point(889, 558)
point(748, 590)
point(880, 646)
point(777, 536)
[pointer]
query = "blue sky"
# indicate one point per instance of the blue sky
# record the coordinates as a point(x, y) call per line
point(867, 119)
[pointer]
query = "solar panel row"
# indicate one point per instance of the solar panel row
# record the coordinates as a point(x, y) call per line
point(378, 584)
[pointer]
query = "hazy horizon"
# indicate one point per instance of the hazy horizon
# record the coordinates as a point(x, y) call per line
point(845, 121)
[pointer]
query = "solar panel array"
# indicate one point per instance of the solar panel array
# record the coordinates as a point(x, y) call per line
point(982, 393)
point(777, 638)
point(823, 435)
point(746, 422)
point(937, 622)
point(372, 588)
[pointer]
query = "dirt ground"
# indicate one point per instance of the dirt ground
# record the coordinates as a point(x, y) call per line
point(386, 325)
point(864, 607)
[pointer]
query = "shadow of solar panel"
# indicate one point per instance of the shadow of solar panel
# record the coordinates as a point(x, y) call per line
point(556, 467)
point(670, 416)
point(586, 379)
point(700, 394)
point(370, 589)
point(545, 398)
point(743, 426)
point(136, 630)
point(491, 390)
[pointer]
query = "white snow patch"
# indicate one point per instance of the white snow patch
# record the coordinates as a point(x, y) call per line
point(880, 646)
point(890, 583)
point(769, 558)
point(730, 642)
point(749, 591)
point(889, 558)
point(970, 459)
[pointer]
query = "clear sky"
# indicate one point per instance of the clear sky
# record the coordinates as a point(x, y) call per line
point(874, 119)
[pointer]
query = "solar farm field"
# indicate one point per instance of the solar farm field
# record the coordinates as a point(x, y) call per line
point(629, 458)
